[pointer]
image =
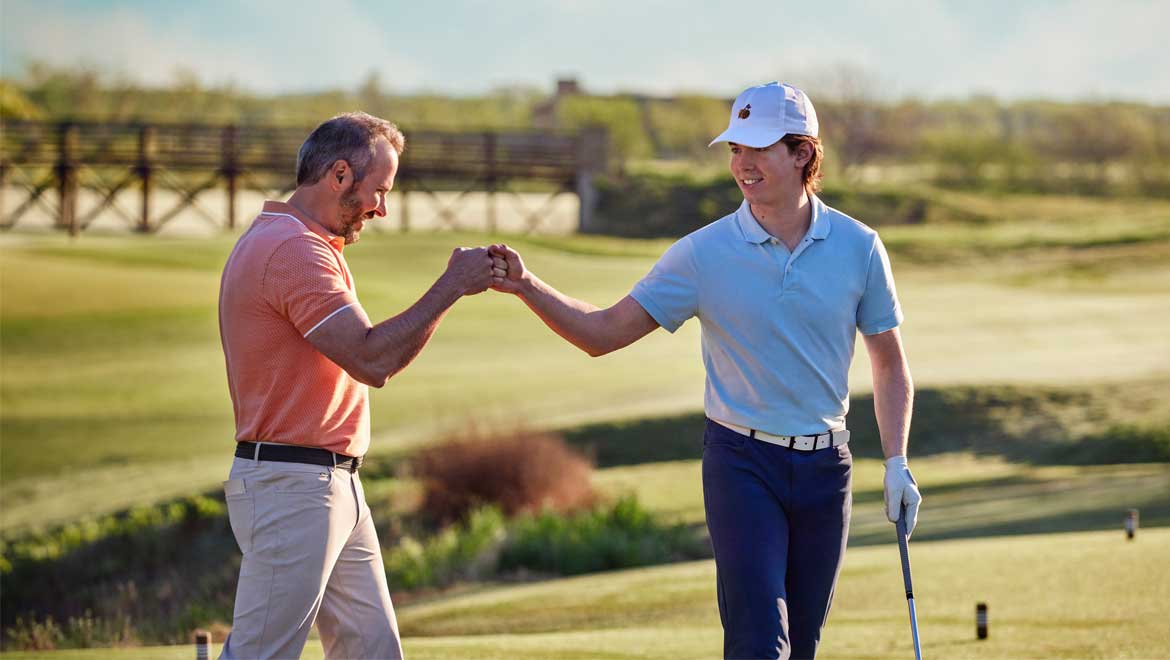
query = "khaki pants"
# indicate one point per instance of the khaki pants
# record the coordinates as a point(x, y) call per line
point(311, 554)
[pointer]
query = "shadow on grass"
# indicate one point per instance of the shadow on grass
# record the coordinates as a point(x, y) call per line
point(984, 486)
point(1043, 502)
point(632, 442)
point(1155, 512)
point(1040, 425)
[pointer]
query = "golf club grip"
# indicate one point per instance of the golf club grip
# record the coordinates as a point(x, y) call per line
point(905, 552)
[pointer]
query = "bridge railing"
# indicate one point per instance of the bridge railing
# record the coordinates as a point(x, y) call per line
point(52, 156)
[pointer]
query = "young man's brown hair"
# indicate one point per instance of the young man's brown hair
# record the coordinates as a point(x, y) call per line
point(812, 169)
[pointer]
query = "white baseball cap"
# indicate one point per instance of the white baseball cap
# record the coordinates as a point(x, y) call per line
point(761, 115)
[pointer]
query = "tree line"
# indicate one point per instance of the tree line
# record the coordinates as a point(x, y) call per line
point(1089, 147)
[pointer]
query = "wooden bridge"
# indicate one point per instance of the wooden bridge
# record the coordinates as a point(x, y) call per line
point(52, 162)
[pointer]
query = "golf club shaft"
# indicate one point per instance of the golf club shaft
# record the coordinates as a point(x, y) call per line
point(904, 551)
point(914, 629)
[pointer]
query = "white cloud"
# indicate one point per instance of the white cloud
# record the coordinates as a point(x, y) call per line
point(932, 48)
point(309, 47)
point(1084, 48)
point(1068, 50)
point(332, 41)
point(126, 44)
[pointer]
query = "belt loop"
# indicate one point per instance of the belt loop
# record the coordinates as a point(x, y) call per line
point(334, 455)
point(752, 435)
point(256, 453)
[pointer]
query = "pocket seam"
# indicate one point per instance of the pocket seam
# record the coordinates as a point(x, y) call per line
point(247, 527)
point(321, 486)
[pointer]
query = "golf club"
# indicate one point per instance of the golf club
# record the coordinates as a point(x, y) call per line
point(902, 549)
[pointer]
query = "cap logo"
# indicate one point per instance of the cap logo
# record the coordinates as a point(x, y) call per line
point(746, 112)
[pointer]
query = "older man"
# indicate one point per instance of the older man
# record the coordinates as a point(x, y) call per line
point(300, 355)
point(781, 287)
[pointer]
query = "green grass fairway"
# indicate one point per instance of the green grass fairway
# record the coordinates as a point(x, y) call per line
point(1054, 596)
point(113, 391)
point(1043, 590)
point(966, 497)
point(1085, 595)
point(112, 378)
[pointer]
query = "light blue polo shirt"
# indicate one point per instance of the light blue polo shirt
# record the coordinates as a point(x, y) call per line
point(779, 327)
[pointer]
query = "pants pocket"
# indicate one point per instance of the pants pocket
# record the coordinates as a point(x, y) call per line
point(241, 512)
point(717, 435)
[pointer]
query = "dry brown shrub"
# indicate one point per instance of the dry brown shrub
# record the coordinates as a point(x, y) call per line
point(524, 471)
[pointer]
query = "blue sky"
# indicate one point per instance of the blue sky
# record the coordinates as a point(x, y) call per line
point(1079, 49)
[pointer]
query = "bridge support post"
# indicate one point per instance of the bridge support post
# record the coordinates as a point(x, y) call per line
point(591, 160)
point(67, 179)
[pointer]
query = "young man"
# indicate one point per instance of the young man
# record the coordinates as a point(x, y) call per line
point(300, 354)
point(781, 287)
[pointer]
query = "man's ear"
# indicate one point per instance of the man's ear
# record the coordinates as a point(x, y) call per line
point(340, 175)
point(804, 153)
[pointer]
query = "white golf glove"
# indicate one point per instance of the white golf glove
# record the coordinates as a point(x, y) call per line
point(901, 490)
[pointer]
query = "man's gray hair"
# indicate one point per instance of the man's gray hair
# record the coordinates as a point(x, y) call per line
point(349, 137)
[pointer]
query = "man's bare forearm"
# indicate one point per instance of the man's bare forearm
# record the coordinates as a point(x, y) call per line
point(578, 322)
point(592, 329)
point(893, 403)
point(393, 344)
point(373, 353)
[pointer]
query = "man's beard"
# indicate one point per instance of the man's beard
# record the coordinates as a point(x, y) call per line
point(351, 214)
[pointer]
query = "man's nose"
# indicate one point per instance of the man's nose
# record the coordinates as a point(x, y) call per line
point(381, 210)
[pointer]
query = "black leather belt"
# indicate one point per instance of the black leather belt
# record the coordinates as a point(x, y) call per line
point(295, 454)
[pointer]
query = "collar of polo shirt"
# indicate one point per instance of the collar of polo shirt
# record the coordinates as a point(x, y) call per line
point(754, 233)
point(283, 208)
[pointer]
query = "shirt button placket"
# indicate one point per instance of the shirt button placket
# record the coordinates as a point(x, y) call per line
point(780, 259)
point(799, 250)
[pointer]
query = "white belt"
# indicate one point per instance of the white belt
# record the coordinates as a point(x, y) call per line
point(797, 442)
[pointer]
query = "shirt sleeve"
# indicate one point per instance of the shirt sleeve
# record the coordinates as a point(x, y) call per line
point(670, 291)
point(306, 283)
point(878, 310)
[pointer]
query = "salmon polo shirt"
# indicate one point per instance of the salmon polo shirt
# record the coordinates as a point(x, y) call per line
point(286, 277)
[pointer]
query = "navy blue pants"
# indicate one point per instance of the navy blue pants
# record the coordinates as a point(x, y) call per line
point(779, 521)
